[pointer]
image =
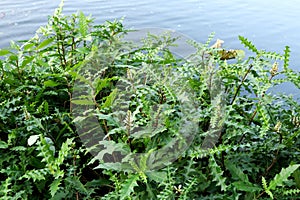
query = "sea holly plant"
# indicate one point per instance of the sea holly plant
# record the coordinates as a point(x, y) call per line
point(85, 113)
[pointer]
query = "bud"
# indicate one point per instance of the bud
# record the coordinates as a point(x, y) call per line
point(278, 127)
point(296, 121)
point(274, 69)
point(129, 74)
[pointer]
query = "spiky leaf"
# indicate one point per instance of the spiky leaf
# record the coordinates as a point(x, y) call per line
point(282, 177)
point(217, 173)
point(128, 186)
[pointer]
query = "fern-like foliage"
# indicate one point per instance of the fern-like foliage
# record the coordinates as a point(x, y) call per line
point(282, 177)
point(267, 190)
point(292, 192)
point(167, 186)
point(217, 173)
point(248, 44)
point(142, 96)
point(286, 57)
point(5, 189)
point(128, 187)
point(279, 179)
point(83, 25)
point(242, 181)
point(209, 40)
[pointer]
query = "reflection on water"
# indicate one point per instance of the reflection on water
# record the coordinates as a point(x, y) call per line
point(269, 24)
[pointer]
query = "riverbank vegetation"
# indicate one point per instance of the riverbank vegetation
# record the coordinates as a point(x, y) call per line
point(245, 144)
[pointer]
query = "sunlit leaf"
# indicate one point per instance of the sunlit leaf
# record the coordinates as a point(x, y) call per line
point(32, 139)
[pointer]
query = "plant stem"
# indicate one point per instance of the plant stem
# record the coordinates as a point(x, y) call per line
point(255, 111)
point(240, 85)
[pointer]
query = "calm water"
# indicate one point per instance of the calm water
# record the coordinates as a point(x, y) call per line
point(270, 24)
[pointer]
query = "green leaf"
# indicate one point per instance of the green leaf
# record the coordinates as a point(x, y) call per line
point(247, 187)
point(264, 183)
point(286, 57)
point(27, 60)
point(296, 176)
point(45, 43)
point(13, 57)
point(28, 46)
point(110, 99)
point(3, 145)
point(217, 173)
point(50, 83)
point(156, 176)
point(248, 44)
point(36, 174)
point(102, 83)
point(18, 148)
point(292, 192)
point(83, 50)
point(54, 186)
point(83, 102)
point(148, 131)
point(83, 25)
point(111, 147)
point(236, 172)
point(74, 180)
point(283, 176)
point(64, 151)
point(4, 52)
point(127, 187)
point(119, 167)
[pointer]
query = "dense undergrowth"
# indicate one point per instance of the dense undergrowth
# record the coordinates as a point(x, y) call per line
point(245, 146)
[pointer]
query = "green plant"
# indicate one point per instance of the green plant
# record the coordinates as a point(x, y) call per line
point(245, 144)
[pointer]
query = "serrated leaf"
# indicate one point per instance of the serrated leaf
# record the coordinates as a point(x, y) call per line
point(236, 172)
point(110, 147)
point(64, 151)
point(247, 187)
point(291, 192)
point(282, 177)
point(77, 184)
point(264, 183)
point(83, 25)
point(54, 186)
point(248, 44)
point(118, 166)
point(19, 148)
point(128, 186)
point(36, 174)
point(110, 99)
point(217, 173)
point(286, 57)
point(158, 177)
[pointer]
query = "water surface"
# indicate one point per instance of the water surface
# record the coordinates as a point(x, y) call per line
point(269, 24)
